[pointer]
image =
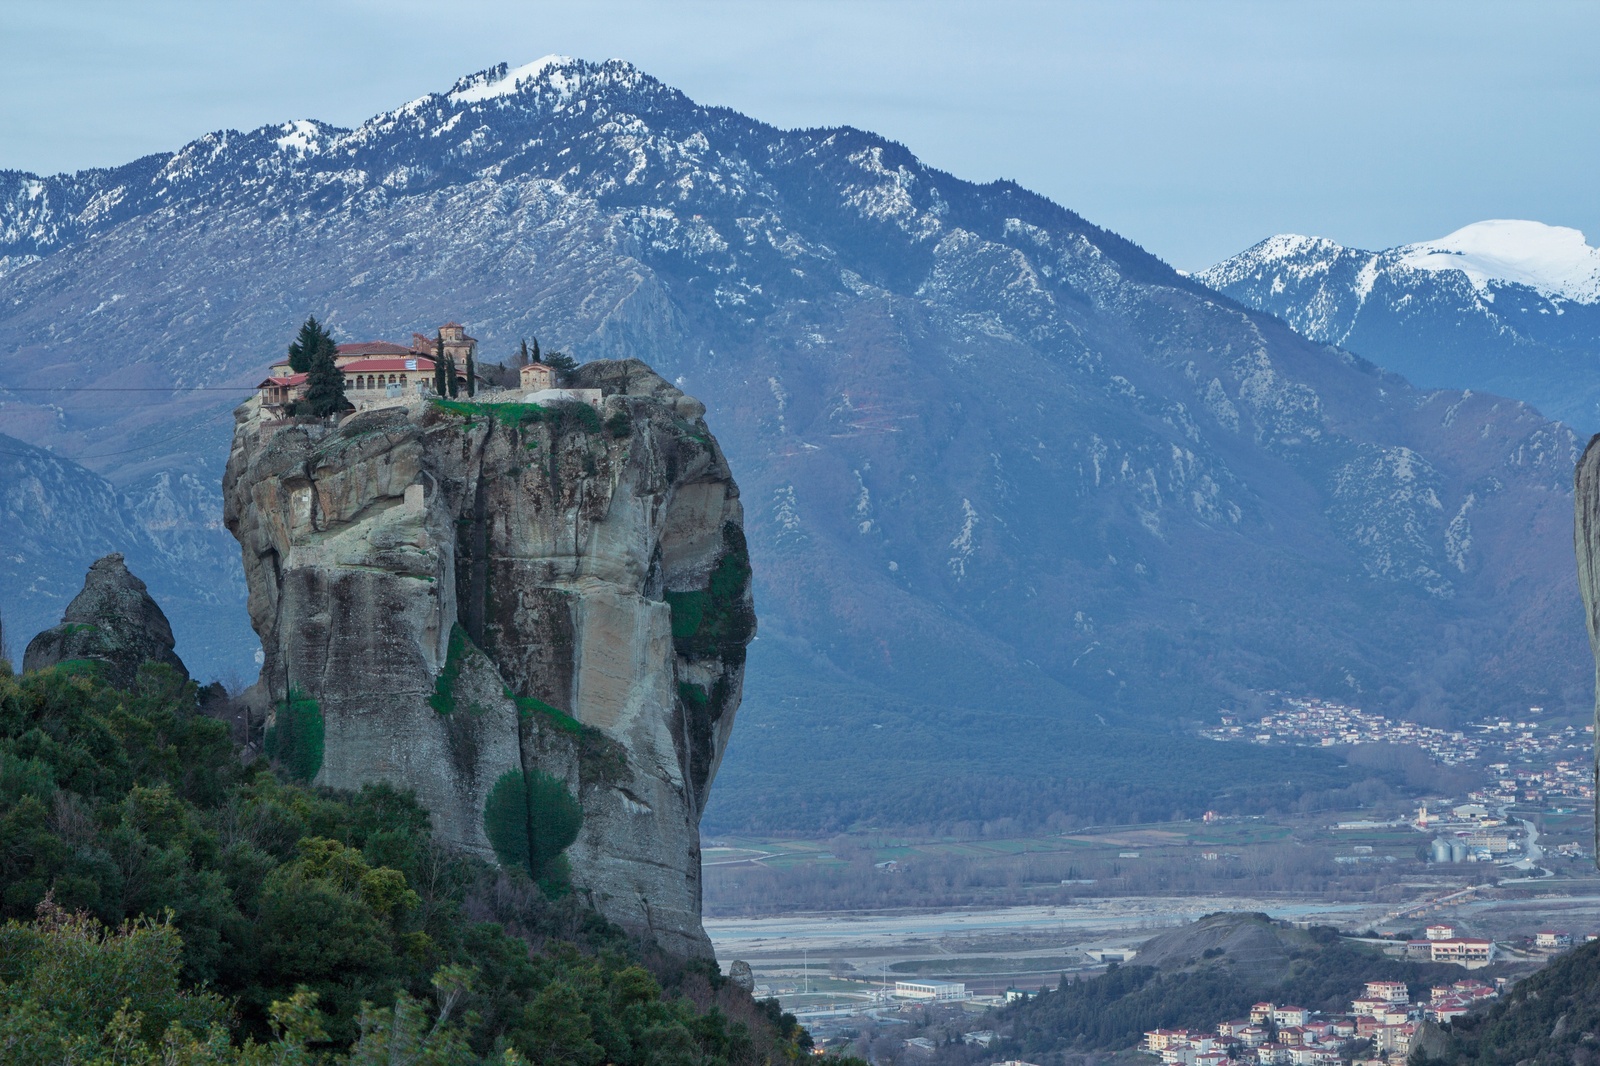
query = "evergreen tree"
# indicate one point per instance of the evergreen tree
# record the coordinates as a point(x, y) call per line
point(311, 340)
point(450, 375)
point(536, 358)
point(522, 354)
point(472, 376)
point(325, 385)
point(439, 384)
point(561, 361)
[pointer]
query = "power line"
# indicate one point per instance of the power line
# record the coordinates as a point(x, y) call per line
point(186, 431)
point(131, 388)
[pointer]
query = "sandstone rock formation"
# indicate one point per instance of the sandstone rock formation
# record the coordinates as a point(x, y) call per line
point(112, 621)
point(460, 597)
point(1586, 540)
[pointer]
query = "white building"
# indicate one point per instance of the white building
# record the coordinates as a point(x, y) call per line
point(936, 991)
point(1467, 951)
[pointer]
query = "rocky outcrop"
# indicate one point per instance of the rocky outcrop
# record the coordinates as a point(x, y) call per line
point(1586, 541)
point(113, 621)
point(471, 599)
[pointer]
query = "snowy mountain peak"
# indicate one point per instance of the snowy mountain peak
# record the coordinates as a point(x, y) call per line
point(500, 80)
point(1285, 245)
point(1504, 306)
point(1554, 260)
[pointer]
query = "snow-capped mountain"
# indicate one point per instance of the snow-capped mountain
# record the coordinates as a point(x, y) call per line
point(1020, 497)
point(1506, 306)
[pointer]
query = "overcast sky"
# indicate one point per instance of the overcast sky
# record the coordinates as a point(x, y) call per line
point(1193, 128)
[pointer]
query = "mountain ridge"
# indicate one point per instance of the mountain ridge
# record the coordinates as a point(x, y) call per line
point(1505, 306)
point(1009, 478)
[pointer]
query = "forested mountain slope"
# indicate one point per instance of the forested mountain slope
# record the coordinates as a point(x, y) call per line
point(1548, 1018)
point(1020, 497)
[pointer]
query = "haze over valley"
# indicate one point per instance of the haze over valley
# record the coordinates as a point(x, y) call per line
point(595, 554)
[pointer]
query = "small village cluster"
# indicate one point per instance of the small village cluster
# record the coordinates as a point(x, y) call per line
point(1534, 761)
point(1304, 720)
point(382, 369)
point(1275, 1035)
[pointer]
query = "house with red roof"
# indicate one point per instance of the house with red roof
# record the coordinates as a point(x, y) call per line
point(374, 369)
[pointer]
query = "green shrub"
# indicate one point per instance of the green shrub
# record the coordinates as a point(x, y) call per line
point(290, 924)
point(65, 978)
point(443, 699)
point(716, 620)
point(295, 740)
point(530, 819)
point(506, 414)
point(692, 694)
point(561, 415)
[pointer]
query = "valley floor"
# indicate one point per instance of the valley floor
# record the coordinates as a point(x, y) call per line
point(828, 926)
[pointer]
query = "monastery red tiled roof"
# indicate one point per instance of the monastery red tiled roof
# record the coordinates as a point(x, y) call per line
point(373, 348)
point(284, 382)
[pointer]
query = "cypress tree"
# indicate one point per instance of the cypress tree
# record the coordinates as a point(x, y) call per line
point(472, 376)
point(325, 384)
point(450, 375)
point(536, 350)
point(439, 385)
point(522, 354)
point(311, 340)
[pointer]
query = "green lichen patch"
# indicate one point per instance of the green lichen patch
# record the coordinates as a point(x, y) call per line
point(530, 819)
point(599, 757)
point(717, 620)
point(529, 706)
point(295, 739)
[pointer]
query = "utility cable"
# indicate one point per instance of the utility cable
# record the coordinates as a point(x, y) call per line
point(186, 431)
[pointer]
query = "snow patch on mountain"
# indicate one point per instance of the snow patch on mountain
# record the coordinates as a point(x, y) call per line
point(501, 81)
point(301, 137)
point(1554, 260)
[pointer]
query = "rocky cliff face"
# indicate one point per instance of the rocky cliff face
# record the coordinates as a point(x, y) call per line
point(114, 622)
point(460, 598)
point(1586, 540)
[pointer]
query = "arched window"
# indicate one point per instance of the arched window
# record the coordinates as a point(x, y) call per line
point(392, 380)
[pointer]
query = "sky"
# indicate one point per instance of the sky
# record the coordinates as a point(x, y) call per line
point(1193, 128)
